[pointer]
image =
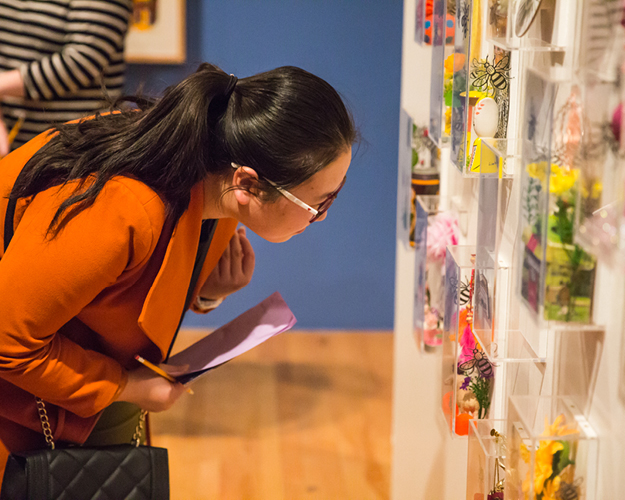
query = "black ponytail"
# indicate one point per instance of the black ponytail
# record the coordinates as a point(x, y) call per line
point(286, 124)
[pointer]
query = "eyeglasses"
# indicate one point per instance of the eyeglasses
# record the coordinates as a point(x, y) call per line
point(316, 213)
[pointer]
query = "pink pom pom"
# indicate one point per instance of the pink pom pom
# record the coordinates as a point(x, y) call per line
point(443, 231)
point(467, 341)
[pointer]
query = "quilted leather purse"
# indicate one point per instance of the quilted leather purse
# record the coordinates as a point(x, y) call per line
point(126, 471)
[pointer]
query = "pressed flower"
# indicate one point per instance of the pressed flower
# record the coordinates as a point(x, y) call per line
point(562, 179)
point(465, 384)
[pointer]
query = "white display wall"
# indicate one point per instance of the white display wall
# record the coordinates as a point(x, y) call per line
point(582, 361)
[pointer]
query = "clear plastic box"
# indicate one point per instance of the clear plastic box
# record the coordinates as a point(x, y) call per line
point(552, 450)
point(428, 298)
point(486, 459)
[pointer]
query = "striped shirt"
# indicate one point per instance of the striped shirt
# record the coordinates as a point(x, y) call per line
point(65, 50)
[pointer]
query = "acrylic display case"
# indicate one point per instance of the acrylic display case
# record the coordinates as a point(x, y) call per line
point(552, 450)
point(556, 274)
point(425, 173)
point(486, 471)
point(532, 24)
point(443, 29)
point(468, 375)
point(481, 81)
point(600, 158)
point(422, 31)
point(492, 271)
point(488, 76)
point(429, 286)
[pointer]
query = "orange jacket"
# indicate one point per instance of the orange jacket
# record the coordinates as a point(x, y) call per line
point(75, 310)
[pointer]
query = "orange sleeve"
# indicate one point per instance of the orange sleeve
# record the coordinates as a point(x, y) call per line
point(45, 282)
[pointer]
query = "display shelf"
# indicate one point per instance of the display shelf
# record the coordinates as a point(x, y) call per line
point(479, 87)
point(425, 172)
point(532, 25)
point(492, 284)
point(494, 81)
point(440, 84)
point(428, 291)
point(467, 375)
point(526, 45)
point(603, 234)
point(501, 156)
point(552, 450)
point(601, 37)
point(600, 159)
point(491, 59)
point(556, 275)
point(486, 459)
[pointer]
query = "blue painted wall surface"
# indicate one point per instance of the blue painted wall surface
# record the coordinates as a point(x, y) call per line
point(339, 274)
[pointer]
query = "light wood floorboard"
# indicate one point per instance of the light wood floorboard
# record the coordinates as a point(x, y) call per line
point(306, 415)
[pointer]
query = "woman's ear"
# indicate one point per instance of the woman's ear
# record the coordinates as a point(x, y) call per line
point(245, 184)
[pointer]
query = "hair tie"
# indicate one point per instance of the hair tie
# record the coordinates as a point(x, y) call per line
point(230, 87)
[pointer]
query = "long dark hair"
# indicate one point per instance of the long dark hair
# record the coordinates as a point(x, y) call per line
point(286, 124)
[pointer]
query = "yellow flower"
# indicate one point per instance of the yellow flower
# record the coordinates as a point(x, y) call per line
point(543, 459)
point(551, 489)
point(562, 179)
point(454, 63)
point(449, 65)
point(596, 190)
point(557, 429)
point(537, 170)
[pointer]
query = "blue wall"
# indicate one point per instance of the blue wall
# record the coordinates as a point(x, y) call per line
point(339, 274)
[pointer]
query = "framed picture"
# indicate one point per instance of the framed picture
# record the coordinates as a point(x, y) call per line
point(157, 32)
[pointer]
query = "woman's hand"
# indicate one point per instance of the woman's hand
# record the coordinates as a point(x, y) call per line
point(234, 269)
point(150, 391)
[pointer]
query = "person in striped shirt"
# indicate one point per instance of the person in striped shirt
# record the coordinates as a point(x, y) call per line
point(55, 58)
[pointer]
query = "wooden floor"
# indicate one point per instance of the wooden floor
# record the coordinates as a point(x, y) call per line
point(303, 416)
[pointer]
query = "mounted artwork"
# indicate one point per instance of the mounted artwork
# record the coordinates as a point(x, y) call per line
point(157, 32)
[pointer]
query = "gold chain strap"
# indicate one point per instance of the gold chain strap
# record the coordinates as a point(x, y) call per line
point(45, 423)
point(47, 431)
point(136, 437)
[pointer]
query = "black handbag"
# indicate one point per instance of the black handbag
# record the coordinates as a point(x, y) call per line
point(125, 471)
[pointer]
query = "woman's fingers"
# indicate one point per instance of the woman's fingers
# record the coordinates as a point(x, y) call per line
point(236, 255)
point(224, 262)
point(249, 258)
point(234, 269)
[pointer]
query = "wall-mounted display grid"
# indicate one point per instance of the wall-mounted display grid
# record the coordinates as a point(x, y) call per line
point(534, 114)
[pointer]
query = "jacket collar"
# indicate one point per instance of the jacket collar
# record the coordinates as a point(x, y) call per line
point(165, 300)
point(164, 303)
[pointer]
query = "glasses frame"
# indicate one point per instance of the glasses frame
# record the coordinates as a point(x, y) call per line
point(316, 212)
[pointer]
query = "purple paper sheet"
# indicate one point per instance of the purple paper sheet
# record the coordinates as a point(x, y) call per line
point(271, 317)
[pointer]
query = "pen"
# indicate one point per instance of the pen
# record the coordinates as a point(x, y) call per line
point(159, 371)
point(15, 129)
